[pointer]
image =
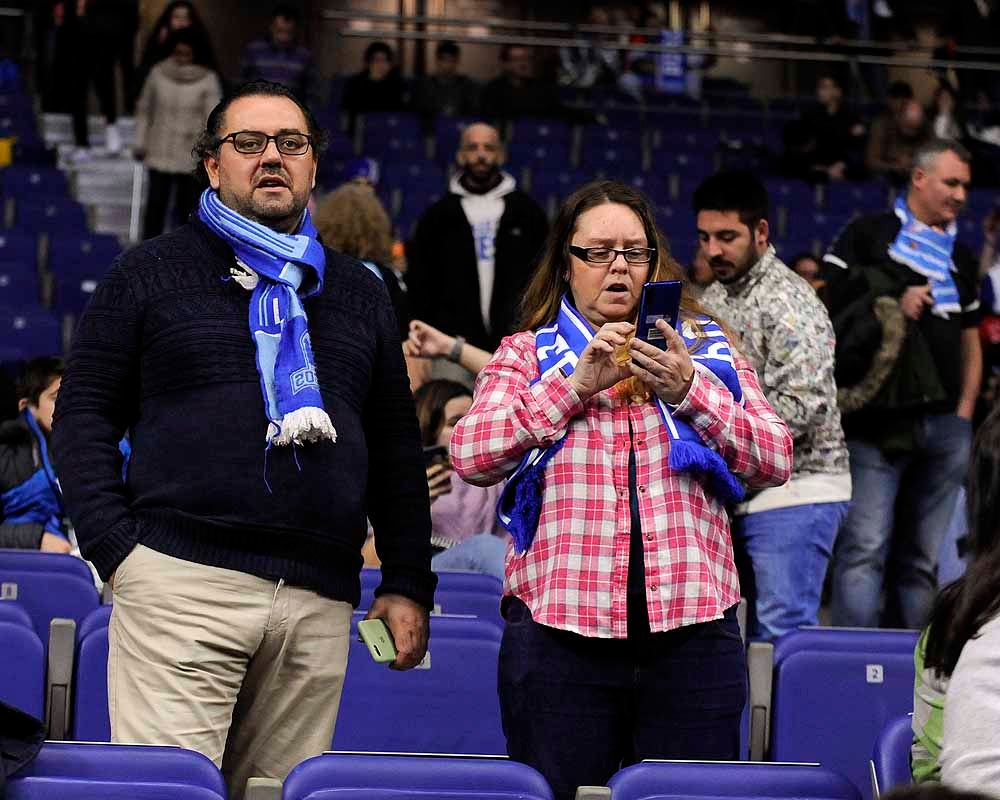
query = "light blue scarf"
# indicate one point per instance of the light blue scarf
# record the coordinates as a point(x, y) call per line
point(559, 346)
point(928, 252)
point(285, 263)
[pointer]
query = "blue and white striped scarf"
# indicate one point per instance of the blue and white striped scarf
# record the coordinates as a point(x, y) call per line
point(928, 252)
point(559, 346)
point(284, 263)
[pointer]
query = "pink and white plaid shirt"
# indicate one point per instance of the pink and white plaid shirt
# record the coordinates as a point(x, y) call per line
point(574, 575)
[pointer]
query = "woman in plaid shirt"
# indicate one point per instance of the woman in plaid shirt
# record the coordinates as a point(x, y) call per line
point(621, 640)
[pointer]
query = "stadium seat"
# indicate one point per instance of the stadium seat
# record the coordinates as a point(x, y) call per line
point(539, 131)
point(450, 702)
point(824, 694)
point(21, 248)
point(851, 198)
point(48, 585)
point(50, 215)
point(74, 771)
point(22, 182)
point(391, 777)
point(90, 721)
point(457, 593)
point(18, 285)
point(31, 331)
point(890, 764)
point(545, 155)
point(686, 780)
point(13, 612)
point(87, 254)
point(22, 668)
point(447, 134)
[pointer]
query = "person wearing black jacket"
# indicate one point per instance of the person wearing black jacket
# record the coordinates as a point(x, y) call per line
point(903, 296)
point(474, 250)
point(31, 513)
point(234, 546)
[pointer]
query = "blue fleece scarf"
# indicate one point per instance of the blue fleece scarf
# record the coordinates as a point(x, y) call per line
point(928, 252)
point(559, 346)
point(290, 268)
point(37, 500)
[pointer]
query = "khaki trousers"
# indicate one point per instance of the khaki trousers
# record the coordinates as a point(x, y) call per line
point(247, 671)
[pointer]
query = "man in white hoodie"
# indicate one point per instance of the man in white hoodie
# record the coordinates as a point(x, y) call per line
point(474, 250)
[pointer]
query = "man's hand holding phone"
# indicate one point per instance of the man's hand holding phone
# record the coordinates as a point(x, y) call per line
point(409, 624)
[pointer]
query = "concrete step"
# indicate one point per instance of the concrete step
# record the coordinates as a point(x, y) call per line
point(57, 129)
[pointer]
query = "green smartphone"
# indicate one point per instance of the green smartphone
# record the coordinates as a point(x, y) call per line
point(377, 636)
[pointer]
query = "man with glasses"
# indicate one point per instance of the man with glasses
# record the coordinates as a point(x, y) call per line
point(783, 536)
point(474, 250)
point(261, 379)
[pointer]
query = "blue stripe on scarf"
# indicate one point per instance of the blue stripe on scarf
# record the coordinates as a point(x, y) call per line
point(927, 252)
point(279, 327)
point(558, 347)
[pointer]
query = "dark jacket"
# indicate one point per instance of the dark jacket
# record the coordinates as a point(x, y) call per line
point(927, 377)
point(30, 504)
point(164, 351)
point(443, 278)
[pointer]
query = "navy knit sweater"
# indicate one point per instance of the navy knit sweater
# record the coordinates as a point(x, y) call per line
point(164, 351)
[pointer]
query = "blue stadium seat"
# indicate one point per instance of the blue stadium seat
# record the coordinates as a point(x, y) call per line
point(32, 331)
point(791, 194)
point(391, 777)
point(21, 182)
point(13, 612)
point(18, 285)
point(470, 593)
point(611, 160)
point(90, 720)
point(540, 131)
point(447, 134)
point(833, 691)
point(686, 780)
point(558, 183)
point(18, 247)
point(22, 668)
point(73, 771)
point(73, 292)
point(450, 703)
point(850, 198)
point(547, 155)
point(890, 764)
point(48, 585)
point(50, 215)
point(82, 254)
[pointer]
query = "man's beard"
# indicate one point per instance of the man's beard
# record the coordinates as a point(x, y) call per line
point(740, 268)
point(278, 215)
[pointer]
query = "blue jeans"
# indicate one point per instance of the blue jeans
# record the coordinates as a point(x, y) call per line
point(788, 551)
point(483, 552)
point(900, 511)
point(578, 708)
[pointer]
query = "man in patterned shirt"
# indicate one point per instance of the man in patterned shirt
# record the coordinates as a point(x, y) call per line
point(786, 533)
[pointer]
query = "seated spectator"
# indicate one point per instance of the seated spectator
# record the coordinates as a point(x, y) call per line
point(465, 532)
point(378, 87)
point(279, 58)
point(956, 706)
point(598, 63)
point(447, 92)
point(176, 16)
point(806, 265)
point(517, 93)
point(827, 142)
point(179, 93)
point(351, 219)
point(893, 142)
point(32, 510)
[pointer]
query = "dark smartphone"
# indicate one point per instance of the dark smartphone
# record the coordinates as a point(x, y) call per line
point(435, 454)
point(659, 300)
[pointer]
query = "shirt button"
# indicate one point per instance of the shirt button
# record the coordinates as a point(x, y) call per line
point(652, 587)
point(642, 490)
point(649, 537)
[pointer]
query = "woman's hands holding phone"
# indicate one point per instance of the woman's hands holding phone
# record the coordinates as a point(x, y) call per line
point(669, 373)
point(597, 368)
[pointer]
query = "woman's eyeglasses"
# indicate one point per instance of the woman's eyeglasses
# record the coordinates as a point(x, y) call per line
point(605, 255)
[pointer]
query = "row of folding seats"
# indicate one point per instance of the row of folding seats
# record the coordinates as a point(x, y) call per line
point(85, 771)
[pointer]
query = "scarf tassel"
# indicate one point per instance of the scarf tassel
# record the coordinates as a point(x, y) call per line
point(305, 425)
point(697, 459)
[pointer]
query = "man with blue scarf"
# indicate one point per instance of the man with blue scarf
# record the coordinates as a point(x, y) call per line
point(903, 296)
point(261, 379)
point(31, 510)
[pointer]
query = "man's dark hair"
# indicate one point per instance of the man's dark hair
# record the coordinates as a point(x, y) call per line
point(448, 48)
point(378, 47)
point(733, 190)
point(208, 141)
point(38, 375)
point(286, 11)
point(900, 90)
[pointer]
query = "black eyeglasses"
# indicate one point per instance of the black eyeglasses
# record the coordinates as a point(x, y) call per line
point(605, 255)
point(254, 143)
